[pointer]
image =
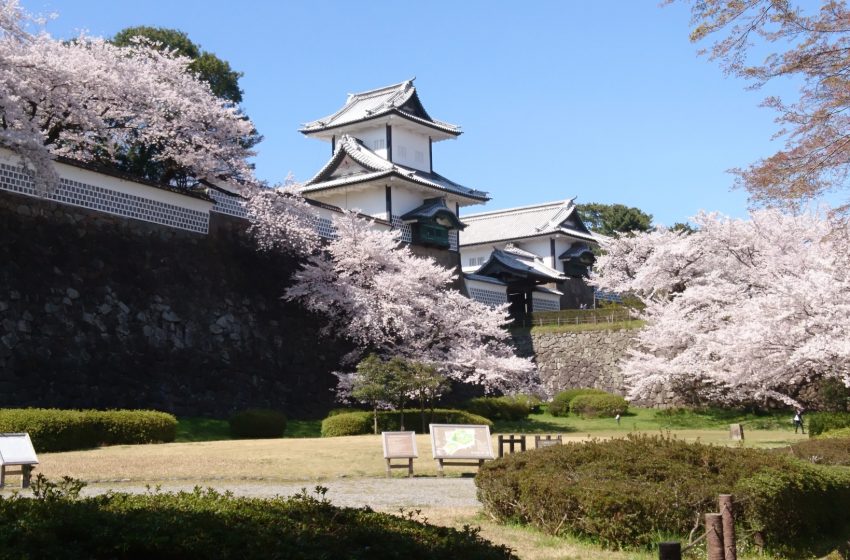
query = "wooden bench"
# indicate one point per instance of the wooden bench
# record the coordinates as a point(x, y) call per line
point(460, 445)
point(16, 450)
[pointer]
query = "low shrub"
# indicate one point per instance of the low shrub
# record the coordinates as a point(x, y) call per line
point(627, 492)
point(560, 405)
point(257, 423)
point(598, 405)
point(210, 525)
point(826, 451)
point(839, 433)
point(67, 430)
point(357, 423)
point(820, 422)
point(533, 402)
point(499, 408)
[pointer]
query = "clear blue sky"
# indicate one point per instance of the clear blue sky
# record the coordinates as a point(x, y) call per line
point(606, 101)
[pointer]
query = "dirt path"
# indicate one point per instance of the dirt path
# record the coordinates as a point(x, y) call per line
point(378, 493)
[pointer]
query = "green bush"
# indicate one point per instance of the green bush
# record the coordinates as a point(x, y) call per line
point(357, 423)
point(826, 451)
point(839, 433)
point(560, 405)
point(214, 526)
point(67, 430)
point(347, 424)
point(628, 492)
point(598, 405)
point(257, 423)
point(499, 408)
point(533, 402)
point(820, 422)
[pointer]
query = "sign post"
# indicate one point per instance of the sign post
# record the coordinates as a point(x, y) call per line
point(462, 444)
point(16, 450)
point(399, 445)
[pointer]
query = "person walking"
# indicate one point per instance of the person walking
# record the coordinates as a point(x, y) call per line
point(798, 422)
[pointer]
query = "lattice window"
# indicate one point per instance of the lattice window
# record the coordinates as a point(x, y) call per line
point(325, 227)
point(228, 204)
point(545, 304)
point(488, 297)
point(452, 240)
point(406, 232)
point(75, 193)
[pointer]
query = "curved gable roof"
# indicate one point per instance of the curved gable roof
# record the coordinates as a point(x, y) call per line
point(399, 99)
point(525, 222)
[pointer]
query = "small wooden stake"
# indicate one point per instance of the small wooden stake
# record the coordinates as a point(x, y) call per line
point(726, 505)
point(714, 536)
point(669, 551)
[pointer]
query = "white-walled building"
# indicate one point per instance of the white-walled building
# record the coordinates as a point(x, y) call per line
point(535, 257)
point(381, 165)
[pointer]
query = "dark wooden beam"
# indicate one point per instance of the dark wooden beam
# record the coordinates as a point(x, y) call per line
point(389, 143)
point(389, 195)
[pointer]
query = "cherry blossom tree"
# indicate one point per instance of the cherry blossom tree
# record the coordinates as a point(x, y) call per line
point(376, 293)
point(801, 42)
point(737, 310)
point(281, 220)
point(86, 98)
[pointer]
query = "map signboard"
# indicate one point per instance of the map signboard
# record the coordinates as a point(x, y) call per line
point(461, 441)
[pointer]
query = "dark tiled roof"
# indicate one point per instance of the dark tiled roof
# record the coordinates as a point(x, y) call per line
point(430, 210)
point(398, 99)
point(526, 222)
point(376, 167)
point(532, 268)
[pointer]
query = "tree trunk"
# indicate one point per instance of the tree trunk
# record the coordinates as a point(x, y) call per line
point(375, 419)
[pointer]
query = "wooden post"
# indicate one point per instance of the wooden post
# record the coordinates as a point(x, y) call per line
point(669, 551)
point(714, 536)
point(2, 476)
point(726, 505)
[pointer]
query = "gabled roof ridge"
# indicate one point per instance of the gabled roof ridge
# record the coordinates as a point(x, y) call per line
point(516, 210)
point(350, 146)
point(380, 90)
point(559, 216)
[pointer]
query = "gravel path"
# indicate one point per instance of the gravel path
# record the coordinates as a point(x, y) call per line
point(378, 493)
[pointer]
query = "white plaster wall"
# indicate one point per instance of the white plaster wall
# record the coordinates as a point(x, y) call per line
point(404, 199)
point(370, 135)
point(370, 201)
point(539, 247)
point(476, 253)
point(116, 184)
point(405, 146)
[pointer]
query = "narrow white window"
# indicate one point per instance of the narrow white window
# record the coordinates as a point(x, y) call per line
point(402, 152)
point(379, 144)
point(418, 156)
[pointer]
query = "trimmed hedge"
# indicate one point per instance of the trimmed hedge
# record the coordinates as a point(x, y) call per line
point(499, 408)
point(560, 405)
point(825, 451)
point(628, 492)
point(257, 423)
point(357, 423)
point(820, 422)
point(67, 430)
point(214, 526)
point(598, 405)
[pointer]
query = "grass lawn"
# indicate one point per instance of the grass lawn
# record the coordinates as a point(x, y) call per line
point(205, 455)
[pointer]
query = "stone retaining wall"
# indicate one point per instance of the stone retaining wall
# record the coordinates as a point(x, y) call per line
point(103, 311)
point(583, 359)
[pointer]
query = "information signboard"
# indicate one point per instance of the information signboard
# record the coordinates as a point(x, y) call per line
point(461, 441)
